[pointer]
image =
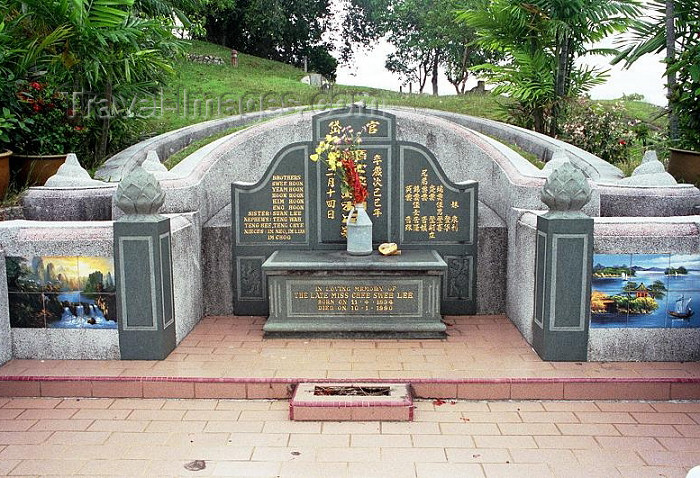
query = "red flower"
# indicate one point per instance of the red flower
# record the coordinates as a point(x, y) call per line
point(36, 107)
point(79, 128)
point(36, 85)
point(359, 191)
point(623, 142)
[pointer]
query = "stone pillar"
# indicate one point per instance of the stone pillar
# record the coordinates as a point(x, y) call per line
point(563, 268)
point(143, 265)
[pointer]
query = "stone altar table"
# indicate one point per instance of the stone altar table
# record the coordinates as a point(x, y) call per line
point(334, 294)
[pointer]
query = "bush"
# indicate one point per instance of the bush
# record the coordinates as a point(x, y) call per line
point(605, 132)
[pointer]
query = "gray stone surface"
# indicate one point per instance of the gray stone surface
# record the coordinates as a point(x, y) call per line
point(65, 344)
point(649, 156)
point(648, 178)
point(71, 175)
point(5, 332)
point(216, 269)
point(491, 270)
point(153, 165)
point(627, 200)
point(651, 236)
point(169, 143)
point(649, 166)
point(68, 204)
point(562, 286)
point(31, 238)
point(648, 344)
point(559, 157)
point(335, 292)
point(187, 273)
point(522, 237)
point(144, 280)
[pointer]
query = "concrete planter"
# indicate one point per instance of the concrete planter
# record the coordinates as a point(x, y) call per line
point(684, 165)
point(34, 170)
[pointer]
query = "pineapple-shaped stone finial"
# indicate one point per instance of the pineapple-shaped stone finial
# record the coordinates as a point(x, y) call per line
point(566, 189)
point(139, 193)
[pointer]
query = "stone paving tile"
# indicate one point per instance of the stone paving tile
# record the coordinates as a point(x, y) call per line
point(168, 434)
point(234, 347)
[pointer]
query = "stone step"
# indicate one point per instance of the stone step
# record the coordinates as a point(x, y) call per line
point(505, 388)
point(351, 402)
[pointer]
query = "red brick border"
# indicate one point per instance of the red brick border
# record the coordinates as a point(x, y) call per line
point(281, 388)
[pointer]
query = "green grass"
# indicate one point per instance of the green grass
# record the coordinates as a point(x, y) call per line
point(258, 83)
point(176, 158)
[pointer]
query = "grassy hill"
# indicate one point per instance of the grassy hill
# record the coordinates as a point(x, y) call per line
point(257, 82)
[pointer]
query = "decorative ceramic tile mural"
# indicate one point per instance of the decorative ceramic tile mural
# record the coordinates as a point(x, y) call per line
point(62, 292)
point(645, 290)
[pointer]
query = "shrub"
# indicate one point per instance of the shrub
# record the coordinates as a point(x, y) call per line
point(604, 132)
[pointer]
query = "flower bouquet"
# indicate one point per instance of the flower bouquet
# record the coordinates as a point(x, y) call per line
point(340, 153)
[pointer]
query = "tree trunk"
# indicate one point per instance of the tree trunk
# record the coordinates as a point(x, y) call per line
point(436, 64)
point(559, 80)
point(538, 117)
point(104, 134)
point(673, 132)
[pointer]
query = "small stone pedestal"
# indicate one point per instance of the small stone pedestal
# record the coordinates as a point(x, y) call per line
point(563, 269)
point(334, 294)
point(143, 266)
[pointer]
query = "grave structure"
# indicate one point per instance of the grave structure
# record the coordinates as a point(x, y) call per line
point(298, 206)
point(645, 238)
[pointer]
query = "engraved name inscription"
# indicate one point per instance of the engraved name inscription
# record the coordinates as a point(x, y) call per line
point(348, 298)
point(286, 218)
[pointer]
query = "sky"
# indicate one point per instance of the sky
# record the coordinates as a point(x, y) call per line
point(644, 77)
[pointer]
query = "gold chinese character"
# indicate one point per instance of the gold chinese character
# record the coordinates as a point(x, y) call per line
point(408, 227)
point(330, 193)
point(431, 235)
point(330, 203)
point(331, 214)
point(377, 159)
point(376, 212)
point(454, 205)
point(372, 127)
point(331, 182)
point(334, 127)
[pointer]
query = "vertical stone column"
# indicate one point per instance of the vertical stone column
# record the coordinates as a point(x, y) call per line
point(143, 265)
point(563, 268)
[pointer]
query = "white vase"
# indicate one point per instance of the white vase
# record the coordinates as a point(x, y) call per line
point(359, 231)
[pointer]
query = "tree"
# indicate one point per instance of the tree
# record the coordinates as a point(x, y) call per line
point(542, 40)
point(426, 37)
point(283, 31)
point(108, 48)
point(673, 27)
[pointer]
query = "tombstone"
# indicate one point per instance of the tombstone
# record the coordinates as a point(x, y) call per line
point(297, 206)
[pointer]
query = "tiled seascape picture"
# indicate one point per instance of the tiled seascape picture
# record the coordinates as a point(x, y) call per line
point(645, 290)
point(61, 292)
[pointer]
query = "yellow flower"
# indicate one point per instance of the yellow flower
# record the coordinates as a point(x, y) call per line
point(314, 157)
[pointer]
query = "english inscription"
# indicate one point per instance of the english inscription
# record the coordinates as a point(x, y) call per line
point(339, 297)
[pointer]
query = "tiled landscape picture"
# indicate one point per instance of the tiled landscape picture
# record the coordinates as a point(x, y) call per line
point(645, 290)
point(61, 292)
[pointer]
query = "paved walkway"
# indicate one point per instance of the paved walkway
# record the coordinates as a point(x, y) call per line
point(251, 438)
point(477, 347)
